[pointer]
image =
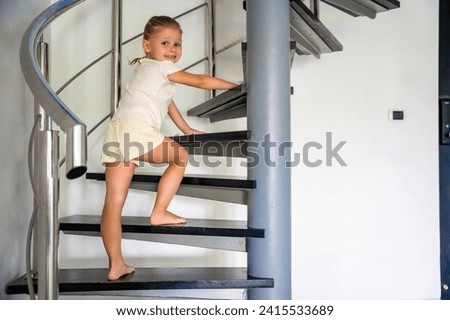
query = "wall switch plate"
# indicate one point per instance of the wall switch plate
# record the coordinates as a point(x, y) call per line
point(396, 115)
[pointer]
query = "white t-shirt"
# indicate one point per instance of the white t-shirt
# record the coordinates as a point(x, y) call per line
point(148, 94)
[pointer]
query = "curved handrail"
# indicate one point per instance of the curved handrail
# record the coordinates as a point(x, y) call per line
point(75, 129)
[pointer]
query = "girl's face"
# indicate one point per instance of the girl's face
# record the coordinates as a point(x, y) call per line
point(164, 44)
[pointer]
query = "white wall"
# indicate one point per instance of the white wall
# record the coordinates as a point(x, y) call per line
point(366, 230)
point(370, 229)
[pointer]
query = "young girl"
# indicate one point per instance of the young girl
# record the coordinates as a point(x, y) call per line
point(146, 101)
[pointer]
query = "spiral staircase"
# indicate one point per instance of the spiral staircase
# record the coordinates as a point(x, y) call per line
point(258, 236)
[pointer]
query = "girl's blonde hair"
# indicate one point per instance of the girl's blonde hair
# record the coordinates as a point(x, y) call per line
point(152, 25)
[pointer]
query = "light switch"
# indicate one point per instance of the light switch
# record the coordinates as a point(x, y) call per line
point(396, 115)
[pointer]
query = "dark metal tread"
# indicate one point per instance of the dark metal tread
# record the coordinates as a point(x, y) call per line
point(388, 4)
point(231, 104)
point(208, 181)
point(220, 144)
point(135, 224)
point(94, 280)
point(310, 34)
point(368, 8)
point(229, 99)
point(206, 138)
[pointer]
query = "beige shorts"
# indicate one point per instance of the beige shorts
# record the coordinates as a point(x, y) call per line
point(128, 138)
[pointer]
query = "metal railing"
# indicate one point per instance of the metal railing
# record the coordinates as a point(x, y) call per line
point(49, 101)
point(44, 175)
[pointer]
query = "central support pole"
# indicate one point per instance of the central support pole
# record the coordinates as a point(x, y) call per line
point(268, 117)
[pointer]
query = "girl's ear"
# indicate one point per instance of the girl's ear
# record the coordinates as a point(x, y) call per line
point(146, 46)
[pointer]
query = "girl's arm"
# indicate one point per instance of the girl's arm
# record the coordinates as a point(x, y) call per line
point(179, 121)
point(201, 81)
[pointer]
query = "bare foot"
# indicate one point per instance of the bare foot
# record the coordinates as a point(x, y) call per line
point(117, 273)
point(165, 218)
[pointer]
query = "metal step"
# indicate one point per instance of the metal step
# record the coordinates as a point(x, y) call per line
point(367, 8)
point(204, 187)
point(83, 281)
point(208, 294)
point(219, 144)
point(230, 104)
point(204, 233)
point(309, 33)
point(138, 224)
point(207, 181)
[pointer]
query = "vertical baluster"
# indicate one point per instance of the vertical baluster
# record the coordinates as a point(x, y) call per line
point(47, 178)
point(38, 112)
point(116, 67)
point(314, 6)
point(46, 121)
point(211, 41)
point(47, 217)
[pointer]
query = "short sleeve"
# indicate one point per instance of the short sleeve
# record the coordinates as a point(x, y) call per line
point(168, 67)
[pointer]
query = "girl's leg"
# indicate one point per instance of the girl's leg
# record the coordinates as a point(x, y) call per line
point(118, 179)
point(176, 156)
